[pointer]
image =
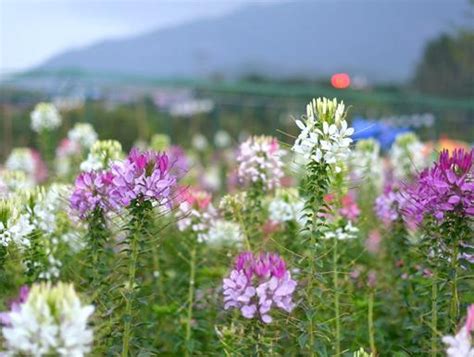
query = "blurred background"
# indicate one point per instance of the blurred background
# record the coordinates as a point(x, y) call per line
point(133, 68)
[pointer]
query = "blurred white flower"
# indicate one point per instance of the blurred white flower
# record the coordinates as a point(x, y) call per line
point(21, 159)
point(222, 139)
point(366, 163)
point(45, 116)
point(406, 156)
point(224, 233)
point(343, 233)
point(52, 321)
point(199, 142)
point(460, 344)
point(83, 134)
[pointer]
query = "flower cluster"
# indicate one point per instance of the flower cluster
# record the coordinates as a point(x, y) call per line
point(83, 134)
point(12, 182)
point(260, 161)
point(195, 212)
point(45, 116)
point(257, 284)
point(144, 176)
point(342, 233)
point(14, 227)
point(406, 156)
point(93, 191)
point(389, 204)
point(366, 162)
point(446, 188)
point(325, 136)
point(286, 206)
point(48, 320)
point(461, 344)
point(102, 155)
point(222, 233)
point(28, 161)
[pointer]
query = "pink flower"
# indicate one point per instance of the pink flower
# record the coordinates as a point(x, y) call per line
point(372, 243)
point(470, 319)
point(94, 191)
point(350, 209)
point(257, 284)
point(143, 176)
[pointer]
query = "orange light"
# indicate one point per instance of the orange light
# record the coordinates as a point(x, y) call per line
point(340, 80)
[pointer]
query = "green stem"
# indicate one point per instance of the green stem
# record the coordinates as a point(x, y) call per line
point(454, 308)
point(336, 298)
point(190, 298)
point(434, 314)
point(129, 294)
point(371, 324)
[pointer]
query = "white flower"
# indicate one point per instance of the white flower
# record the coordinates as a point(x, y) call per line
point(21, 159)
point(102, 155)
point(459, 345)
point(224, 233)
point(325, 135)
point(260, 161)
point(282, 211)
point(406, 156)
point(343, 233)
point(83, 134)
point(45, 116)
point(14, 227)
point(366, 162)
point(199, 142)
point(52, 321)
point(222, 139)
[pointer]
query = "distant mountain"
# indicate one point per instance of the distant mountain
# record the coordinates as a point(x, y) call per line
point(380, 39)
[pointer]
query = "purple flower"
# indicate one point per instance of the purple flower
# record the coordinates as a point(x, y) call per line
point(93, 190)
point(257, 284)
point(144, 176)
point(447, 187)
point(388, 204)
point(15, 305)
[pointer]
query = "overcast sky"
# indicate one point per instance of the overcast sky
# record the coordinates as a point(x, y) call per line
point(33, 30)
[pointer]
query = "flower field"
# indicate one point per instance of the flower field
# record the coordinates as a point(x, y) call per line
point(317, 245)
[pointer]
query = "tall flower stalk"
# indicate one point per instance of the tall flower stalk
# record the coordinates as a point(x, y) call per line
point(141, 182)
point(324, 145)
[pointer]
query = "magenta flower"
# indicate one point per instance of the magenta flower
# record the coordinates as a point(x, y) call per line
point(94, 190)
point(14, 305)
point(447, 187)
point(257, 284)
point(143, 176)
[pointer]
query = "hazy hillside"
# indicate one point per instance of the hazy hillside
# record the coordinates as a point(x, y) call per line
point(298, 38)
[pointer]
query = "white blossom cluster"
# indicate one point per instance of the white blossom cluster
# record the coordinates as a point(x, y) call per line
point(21, 159)
point(343, 233)
point(52, 321)
point(45, 116)
point(286, 206)
point(14, 227)
point(260, 160)
point(42, 209)
point(325, 135)
point(196, 220)
point(366, 162)
point(459, 345)
point(222, 232)
point(83, 134)
point(406, 156)
point(103, 153)
point(12, 182)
